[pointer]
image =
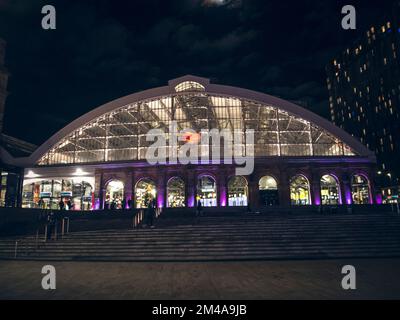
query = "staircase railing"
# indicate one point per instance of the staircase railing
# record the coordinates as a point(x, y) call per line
point(138, 219)
point(25, 246)
point(140, 216)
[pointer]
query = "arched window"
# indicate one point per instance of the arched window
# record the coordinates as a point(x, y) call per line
point(329, 190)
point(145, 192)
point(300, 191)
point(268, 191)
point(114, 194)
point(360, 189)
point(189, 86)
point(237, 192)
point(207, 191)
point(176, 193)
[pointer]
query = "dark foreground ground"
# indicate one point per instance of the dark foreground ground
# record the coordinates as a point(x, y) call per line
point(376, 279)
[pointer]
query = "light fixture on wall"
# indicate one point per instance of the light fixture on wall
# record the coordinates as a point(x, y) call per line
point(79, 172)
point(31, 174)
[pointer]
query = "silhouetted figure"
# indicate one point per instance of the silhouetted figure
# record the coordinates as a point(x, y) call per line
point(150, 213)
point(199, 211)
point(61, 205)
point(248, 208)
point(123, 204)
point(50, 225)
point(113, 205)
point(69, 204)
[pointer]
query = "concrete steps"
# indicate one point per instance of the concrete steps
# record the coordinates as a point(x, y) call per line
point(226, 237)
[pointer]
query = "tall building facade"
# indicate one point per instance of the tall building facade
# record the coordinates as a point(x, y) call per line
point(10, 174)
point(364, 98)
point(3, 82)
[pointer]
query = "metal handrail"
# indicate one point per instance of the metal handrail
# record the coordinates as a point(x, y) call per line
point(139, 217)
point(21, 244)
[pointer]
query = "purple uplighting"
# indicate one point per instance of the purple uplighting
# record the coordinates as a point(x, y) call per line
point(160, 201)
point(348, 197)
point(97, 204)
point(191, 202)
point(378, 199)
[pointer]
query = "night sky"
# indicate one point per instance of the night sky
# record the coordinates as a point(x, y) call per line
point(106, 49)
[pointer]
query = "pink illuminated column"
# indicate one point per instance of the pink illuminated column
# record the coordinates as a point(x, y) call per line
point(128, 185)
point(222, 188)
point(316, 191)
point(345, 189)
point(191, 189)
point(161, 190)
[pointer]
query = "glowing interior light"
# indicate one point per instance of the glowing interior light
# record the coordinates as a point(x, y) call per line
point(79, 172)
point(31, 174)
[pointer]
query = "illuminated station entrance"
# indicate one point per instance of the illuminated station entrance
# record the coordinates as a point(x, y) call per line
point(101, 160)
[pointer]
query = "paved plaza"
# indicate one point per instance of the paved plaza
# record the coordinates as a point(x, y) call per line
point(376, 279)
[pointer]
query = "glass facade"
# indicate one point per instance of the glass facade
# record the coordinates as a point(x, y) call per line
point(238, 192)
point(48, 194)
point(300, 191)
point(360, 189)
point(146, 192)
point(207, 191)
point(268, 191)
point(329, 190)
point(176, 193)
point(120, 135)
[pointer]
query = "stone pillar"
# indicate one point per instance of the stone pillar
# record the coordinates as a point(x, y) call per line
point(20, 188)
point(315, 185)
point(161, 190)
point(284, 189)
point(372, 191)
point(99, 191)
point(191, 182)
point(128, 186)
point(222, 188)
point(254, 198)
point(345, 189)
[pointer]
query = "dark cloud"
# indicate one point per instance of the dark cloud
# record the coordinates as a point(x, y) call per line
point(105, 49)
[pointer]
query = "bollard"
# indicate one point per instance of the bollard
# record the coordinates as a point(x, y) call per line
point(55, 231)
point(37, 239)
point(67, 225)
point(16, 250)
point(45, 233)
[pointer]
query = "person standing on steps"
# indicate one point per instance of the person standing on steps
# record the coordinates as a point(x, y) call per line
point(50, 225)
point(61, 204)
point(199, 211)
point(153, 212)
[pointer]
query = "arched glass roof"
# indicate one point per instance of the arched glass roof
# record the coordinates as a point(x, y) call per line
point(120, 134)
